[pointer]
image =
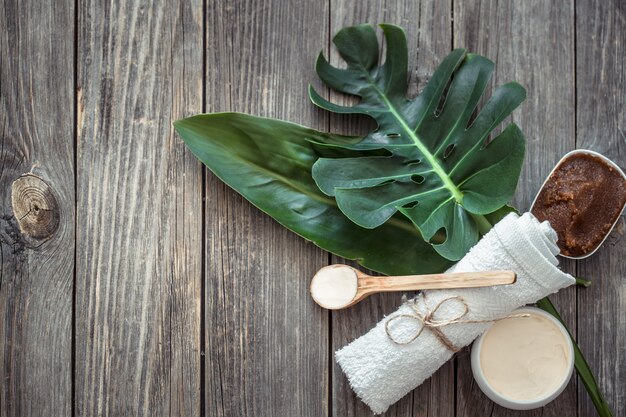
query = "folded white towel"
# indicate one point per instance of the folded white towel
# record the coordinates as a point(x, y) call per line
point(381, 371)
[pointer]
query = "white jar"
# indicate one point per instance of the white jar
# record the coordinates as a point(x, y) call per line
point(526, 404)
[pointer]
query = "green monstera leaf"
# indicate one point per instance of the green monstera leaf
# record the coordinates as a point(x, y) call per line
point(269, 162)
point(439, 170)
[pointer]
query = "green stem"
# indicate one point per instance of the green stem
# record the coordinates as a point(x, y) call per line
point(583, 282)
point(582, 367)
point(483, 224)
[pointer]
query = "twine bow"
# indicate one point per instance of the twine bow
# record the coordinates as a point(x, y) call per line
point(428, 321)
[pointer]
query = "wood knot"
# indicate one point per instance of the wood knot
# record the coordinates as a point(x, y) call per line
point(34, 206)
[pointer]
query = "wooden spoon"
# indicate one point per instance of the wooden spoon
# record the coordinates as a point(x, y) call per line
point(339, 286)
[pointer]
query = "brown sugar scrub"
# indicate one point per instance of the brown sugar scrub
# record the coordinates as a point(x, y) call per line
point(582, 199)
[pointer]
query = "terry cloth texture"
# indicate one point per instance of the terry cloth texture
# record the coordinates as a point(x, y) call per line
point(381, 371)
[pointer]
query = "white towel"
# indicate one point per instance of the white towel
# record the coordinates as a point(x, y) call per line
point(381, 372)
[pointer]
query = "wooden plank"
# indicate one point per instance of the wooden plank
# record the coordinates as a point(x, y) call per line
point(36, 207)
point(139, 210)
point(532, 43)
point(266, 340)
point(429, 33)
point(601, 126)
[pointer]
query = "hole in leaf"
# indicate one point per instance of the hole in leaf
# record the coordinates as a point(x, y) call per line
point(376, 152)
point(442, 99)
point(417, 179)
point(332, 152)
point(412, 162)
point(449, 150)
point(486, 142)
point(472, 118)
point(410, 205)
point(439, 237)
point(385, 183)
point(393, 135)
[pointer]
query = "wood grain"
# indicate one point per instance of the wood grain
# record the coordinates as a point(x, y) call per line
point(531, 42)
point(36, 207)
point(601, 126)
point(134, 212)
point(266, 340)
point(368, 285)
point(139, 215)
point(429, 33)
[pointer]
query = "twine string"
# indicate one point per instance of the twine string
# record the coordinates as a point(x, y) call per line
point(428, 321)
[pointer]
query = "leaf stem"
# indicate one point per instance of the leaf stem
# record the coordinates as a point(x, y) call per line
point(583, 282)
point(483, 224)
point(582, 367)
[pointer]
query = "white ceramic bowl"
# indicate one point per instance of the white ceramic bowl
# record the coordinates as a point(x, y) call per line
point(605, 159)
point(498, 398)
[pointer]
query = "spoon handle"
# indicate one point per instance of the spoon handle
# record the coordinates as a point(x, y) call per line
point(368, 284)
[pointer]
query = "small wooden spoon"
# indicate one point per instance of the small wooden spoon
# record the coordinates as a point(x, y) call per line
point(339, 286)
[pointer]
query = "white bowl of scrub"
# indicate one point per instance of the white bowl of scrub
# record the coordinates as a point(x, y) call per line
point(523, 362)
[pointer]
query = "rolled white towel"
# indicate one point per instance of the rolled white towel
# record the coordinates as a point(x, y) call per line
point(381, 371)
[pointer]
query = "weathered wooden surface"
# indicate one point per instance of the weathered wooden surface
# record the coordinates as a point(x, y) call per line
point(36, 207)
point(601, 126)
point(139, 210)
point(266, 340)
point(184, 299)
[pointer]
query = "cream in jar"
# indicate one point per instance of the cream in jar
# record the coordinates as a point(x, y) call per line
point(523, 362)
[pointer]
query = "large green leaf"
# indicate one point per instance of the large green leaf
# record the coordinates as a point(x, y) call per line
point(269, 163)
point(439, 172)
